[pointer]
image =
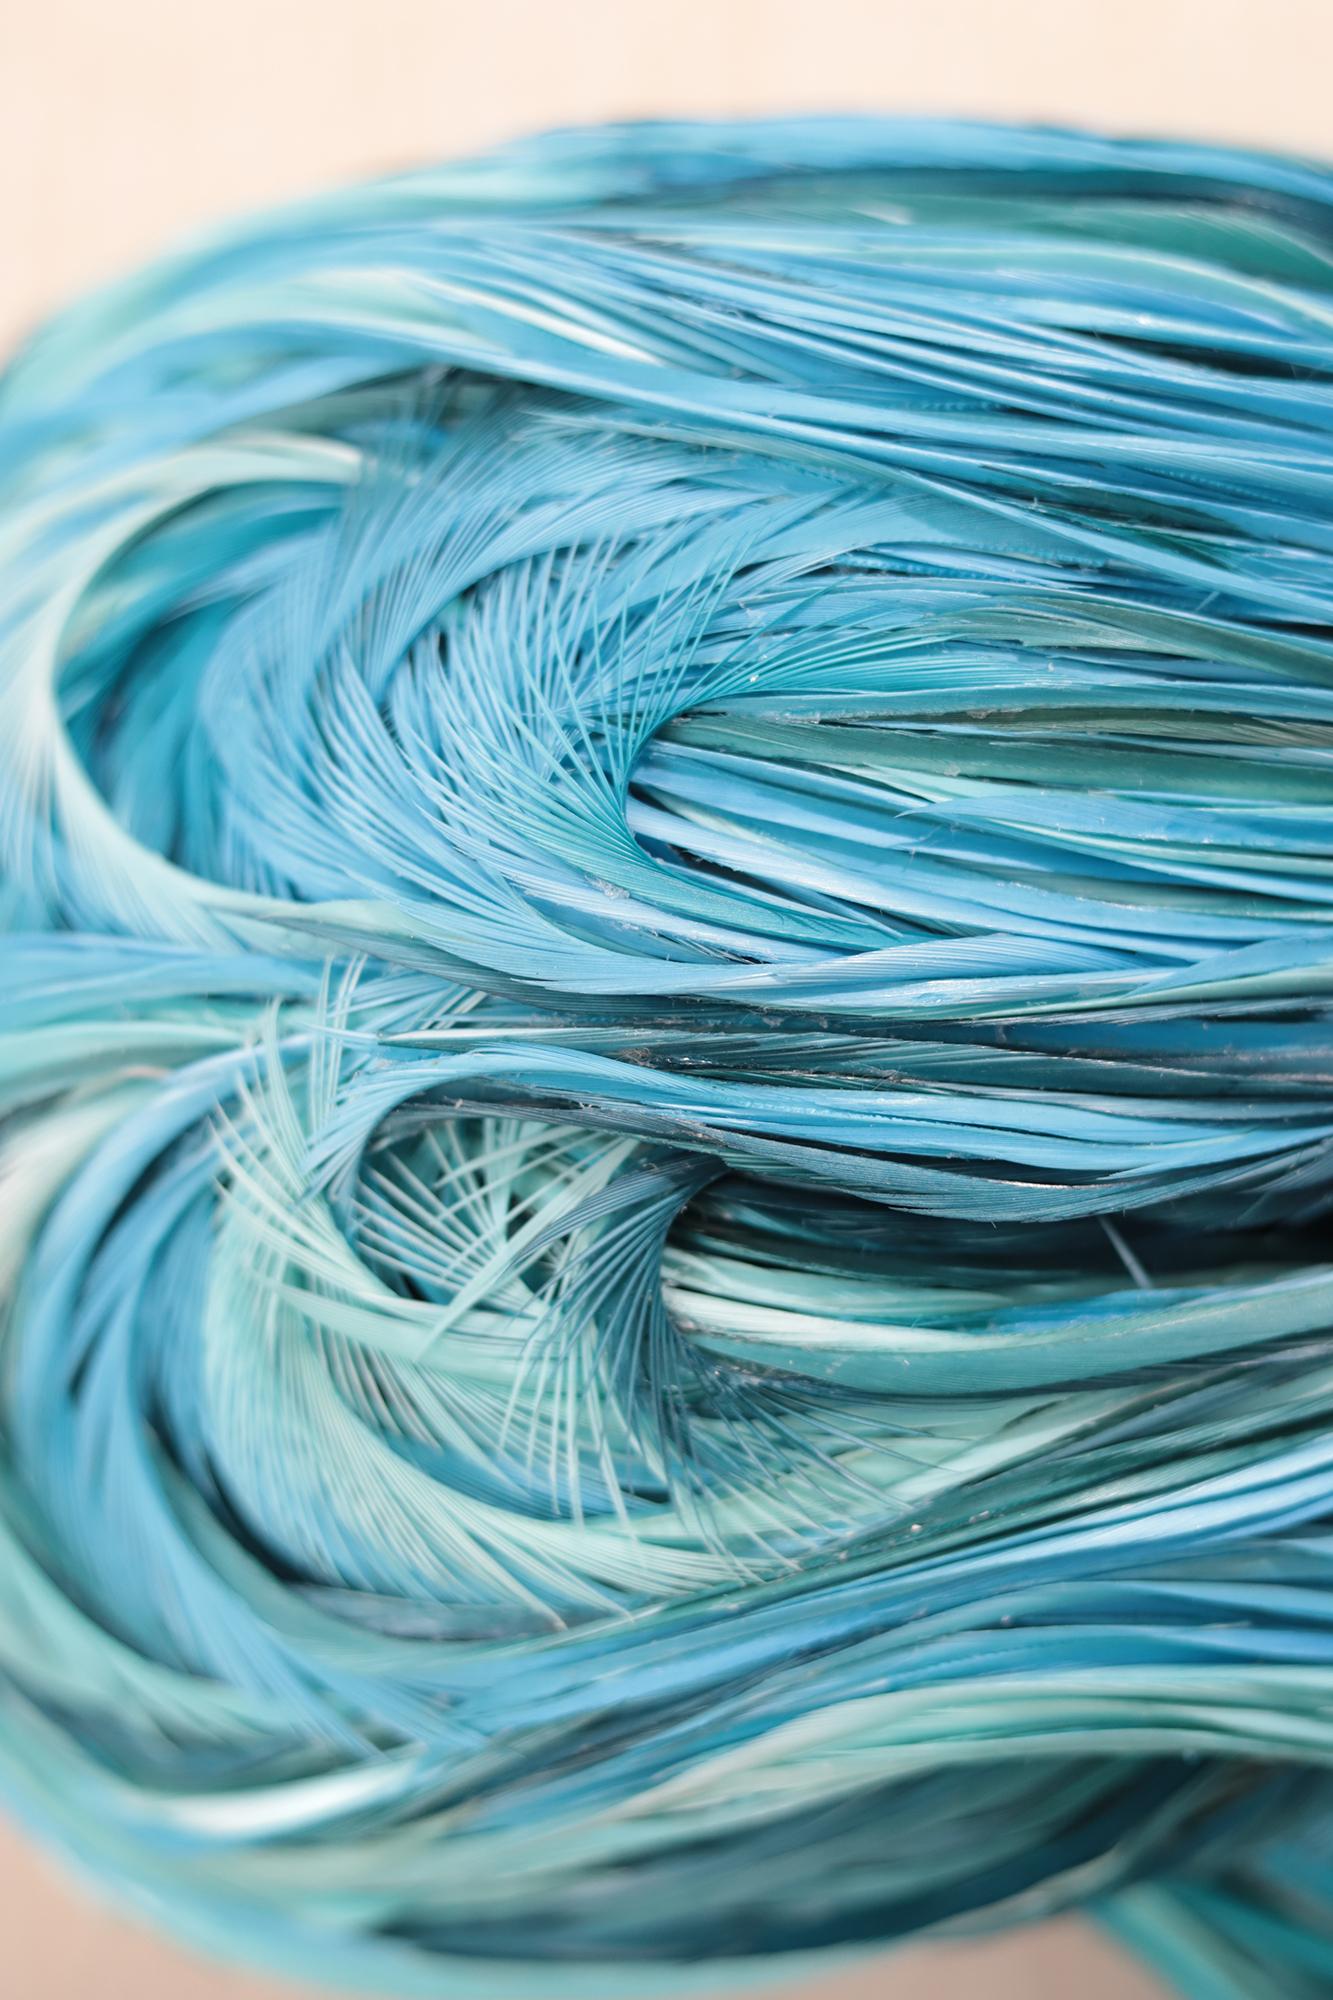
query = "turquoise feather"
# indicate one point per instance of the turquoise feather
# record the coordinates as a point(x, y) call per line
point(666, 1076)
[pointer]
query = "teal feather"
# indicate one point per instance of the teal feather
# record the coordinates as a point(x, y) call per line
point(666, 1076)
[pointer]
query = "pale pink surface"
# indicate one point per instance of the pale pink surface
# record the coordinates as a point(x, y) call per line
point(125, 122)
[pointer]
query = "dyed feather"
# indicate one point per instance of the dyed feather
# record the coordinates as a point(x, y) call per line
point(667, 1064)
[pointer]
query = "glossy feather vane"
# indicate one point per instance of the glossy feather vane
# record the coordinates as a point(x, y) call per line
point(666, 1311)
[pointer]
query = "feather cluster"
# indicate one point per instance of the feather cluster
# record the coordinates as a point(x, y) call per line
point(667, 1064)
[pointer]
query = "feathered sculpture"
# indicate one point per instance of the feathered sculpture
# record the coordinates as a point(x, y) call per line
point(667, 1062)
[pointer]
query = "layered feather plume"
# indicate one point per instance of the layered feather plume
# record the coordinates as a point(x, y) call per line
point(667, 1065)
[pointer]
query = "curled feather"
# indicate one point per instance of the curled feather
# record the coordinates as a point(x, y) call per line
point(666, 1075)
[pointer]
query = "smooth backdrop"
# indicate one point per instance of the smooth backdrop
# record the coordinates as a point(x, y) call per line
point(124, 123)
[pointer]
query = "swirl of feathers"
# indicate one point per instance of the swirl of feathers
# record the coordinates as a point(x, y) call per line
point(666, 1307)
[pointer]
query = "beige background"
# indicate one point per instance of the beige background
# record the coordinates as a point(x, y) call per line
point(124, 122)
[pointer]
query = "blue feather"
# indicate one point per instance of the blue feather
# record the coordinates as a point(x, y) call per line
point(666, 1076)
